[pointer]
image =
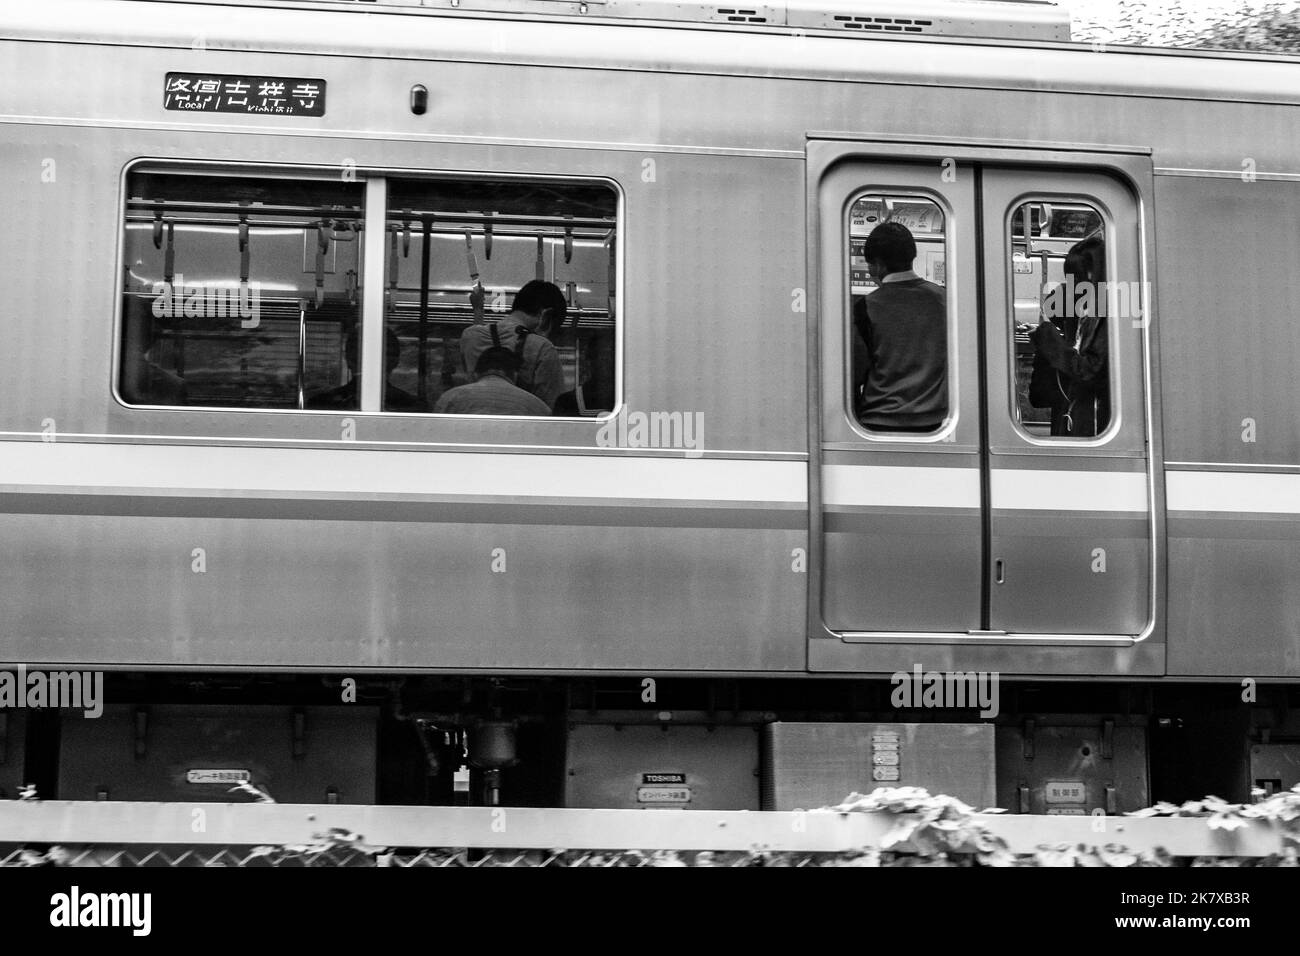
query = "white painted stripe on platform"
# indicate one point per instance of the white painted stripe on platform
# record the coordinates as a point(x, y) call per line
point(1017, 489)
point(1232, 492)
point(37, 466)
point(885, 486)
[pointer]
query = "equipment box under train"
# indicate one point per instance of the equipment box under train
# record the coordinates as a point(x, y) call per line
point(1073, 765)
point(689, 767)
point(199, 752)
point(810, 765)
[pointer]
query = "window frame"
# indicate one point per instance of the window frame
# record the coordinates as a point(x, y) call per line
point(371, 261)
point(946, 432)
point(1112, 358)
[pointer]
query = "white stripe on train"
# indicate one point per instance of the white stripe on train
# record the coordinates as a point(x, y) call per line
point(76, 466)
point(1232, 492)
point(1013, 489)
point(30, 466)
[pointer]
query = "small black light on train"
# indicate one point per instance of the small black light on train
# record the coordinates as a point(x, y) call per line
point(419, 99)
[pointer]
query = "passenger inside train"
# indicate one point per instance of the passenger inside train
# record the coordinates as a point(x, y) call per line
point(1071, 375)
point(292, 249)
point(494, 390)
point(536, 315)
point(903, 326)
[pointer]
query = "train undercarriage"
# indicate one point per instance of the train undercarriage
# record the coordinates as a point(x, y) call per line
point(629, 742)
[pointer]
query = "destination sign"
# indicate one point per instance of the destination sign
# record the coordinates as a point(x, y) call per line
point(222, 93)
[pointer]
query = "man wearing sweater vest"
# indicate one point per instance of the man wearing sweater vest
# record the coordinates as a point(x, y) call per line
point(904, 324)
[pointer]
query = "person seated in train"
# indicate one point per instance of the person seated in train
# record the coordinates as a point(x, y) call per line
point(536, 315)
point(903, 326)
point(1071, 374)
point(493, 391)
point(348, 397)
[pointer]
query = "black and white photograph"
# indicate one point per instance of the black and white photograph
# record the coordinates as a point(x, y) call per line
point(516, 435)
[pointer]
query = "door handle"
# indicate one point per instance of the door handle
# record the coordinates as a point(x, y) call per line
point(999, 571)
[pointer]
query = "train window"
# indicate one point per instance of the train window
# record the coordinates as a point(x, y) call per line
point(239, 291)
point(897, 275)
point(1059, 340)
point(500, 297)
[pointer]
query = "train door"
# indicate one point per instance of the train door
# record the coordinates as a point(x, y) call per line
point(902, 522)
point(1069, 523)
point(1001, 491)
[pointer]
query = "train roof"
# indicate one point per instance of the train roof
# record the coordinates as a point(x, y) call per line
point(1011, 19)
point(552, 33)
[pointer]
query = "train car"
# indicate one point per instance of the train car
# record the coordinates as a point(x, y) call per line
point(246, 240)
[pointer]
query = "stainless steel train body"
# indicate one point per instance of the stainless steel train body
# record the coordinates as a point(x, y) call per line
point(788, 540)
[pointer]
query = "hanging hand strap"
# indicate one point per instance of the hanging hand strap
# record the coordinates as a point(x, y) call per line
point(322, 247)
point(476, 293)
point(244, 253)
point(169, 256)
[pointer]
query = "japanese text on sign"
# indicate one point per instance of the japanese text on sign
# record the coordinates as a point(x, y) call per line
point(212, 93)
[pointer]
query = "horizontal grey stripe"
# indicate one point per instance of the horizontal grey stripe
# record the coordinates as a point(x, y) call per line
point(1070, 524)
point(947, 457)
point(1202, 525)
point(1014, 460)
point(1035, 524)
point(1281, 469)
point(1058, 462)
point(874, 521)
point(459, 511)
point(141, 491)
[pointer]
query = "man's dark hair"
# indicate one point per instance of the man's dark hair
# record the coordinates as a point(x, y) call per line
point(892, 244)
point(497, 359)
point(538, 295)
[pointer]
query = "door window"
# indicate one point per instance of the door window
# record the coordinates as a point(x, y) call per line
point(1062, 386)
point(897, 273)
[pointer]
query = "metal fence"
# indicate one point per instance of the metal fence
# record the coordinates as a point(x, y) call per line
point(324, 855)
point(127, 834)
